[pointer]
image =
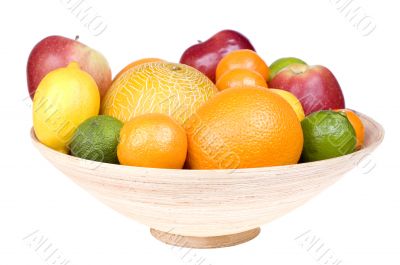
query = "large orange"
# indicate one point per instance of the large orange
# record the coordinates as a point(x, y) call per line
point(243, 128)
point(357, 125)
point(240, 78)
point(152, 140)
point(242, 59)
point(159, 87)
point(136, 63)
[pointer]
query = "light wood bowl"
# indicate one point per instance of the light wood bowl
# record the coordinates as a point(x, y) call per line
point(208, 208)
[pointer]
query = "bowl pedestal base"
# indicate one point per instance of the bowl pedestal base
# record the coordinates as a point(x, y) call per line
point(205, 242)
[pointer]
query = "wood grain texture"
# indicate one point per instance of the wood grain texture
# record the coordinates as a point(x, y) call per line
point(205, 242)
point(208, 203)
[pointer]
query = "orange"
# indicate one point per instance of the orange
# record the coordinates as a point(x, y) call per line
point(136, 63)
point(242, 59)
point(159, 87)
point(357, 125)
point(240, 78)
point(244, 128)
point(152, 140)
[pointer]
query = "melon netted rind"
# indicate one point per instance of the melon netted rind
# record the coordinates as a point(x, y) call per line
point(174, 89)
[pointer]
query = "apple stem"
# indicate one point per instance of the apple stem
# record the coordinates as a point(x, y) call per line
point(77, 37)
point(199, 41)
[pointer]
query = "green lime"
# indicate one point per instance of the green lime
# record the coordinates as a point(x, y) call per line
point(327, 134)
point(281, 63)
point(97, 139)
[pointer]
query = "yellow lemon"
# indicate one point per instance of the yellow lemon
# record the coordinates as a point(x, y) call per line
point(292, 100)
point(176, 90)
point(64, 99)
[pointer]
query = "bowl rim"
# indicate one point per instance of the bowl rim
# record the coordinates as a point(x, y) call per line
point(366, 150)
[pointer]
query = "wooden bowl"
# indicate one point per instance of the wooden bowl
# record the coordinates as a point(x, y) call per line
point(208, 208)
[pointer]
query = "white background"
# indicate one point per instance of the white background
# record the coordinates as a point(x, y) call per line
point(356, 219)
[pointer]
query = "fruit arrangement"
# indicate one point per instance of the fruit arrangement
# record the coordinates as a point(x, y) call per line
point(221, 107)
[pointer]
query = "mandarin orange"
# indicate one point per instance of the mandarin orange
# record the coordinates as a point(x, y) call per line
point(242, 59)
point(357, 125)
point(152, 140)
point(240, 78)
point(136, 63)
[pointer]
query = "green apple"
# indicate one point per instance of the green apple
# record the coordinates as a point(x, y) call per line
point(281, 63)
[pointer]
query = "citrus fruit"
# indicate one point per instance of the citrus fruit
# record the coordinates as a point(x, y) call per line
point(327, 134)
point(242, 59)
point(97, 139)
point(152, 140)
point(357, 125)
point(159, 87)
point(136, 63)
point(64, 99)
point(243, 128)
point(281, 63)
point(292, 100)
point(240, 78)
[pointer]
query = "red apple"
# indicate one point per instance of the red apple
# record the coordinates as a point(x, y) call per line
point(55, 51)
point(315, 86)
point(205, 56)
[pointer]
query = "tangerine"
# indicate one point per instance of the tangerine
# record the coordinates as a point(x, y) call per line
point(357, 125)
point(152, 140)
point(242, 59)
point(240, 78)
